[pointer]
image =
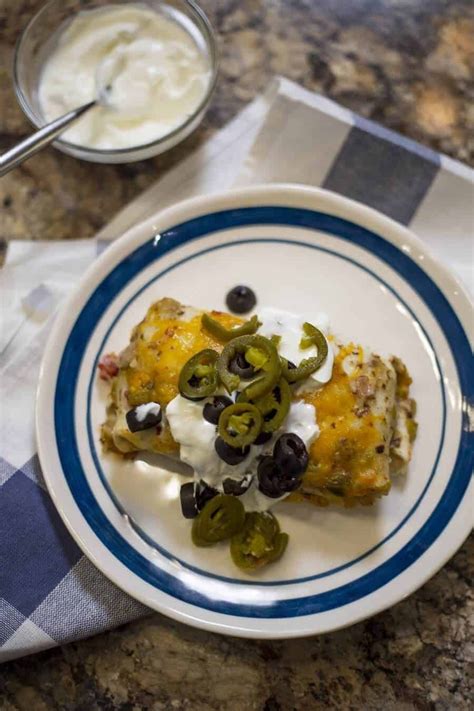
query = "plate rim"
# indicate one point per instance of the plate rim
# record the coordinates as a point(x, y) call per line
point(246, 197)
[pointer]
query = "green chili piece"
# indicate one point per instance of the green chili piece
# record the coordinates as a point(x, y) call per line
point(240, 424)
point(227, 334)
point(338, 482)
point(256, 357)
point(313, 337)
point(274, 406)
point(259, 542)
point(306, 368)
point(412, 429)
point(222, 517)
point(198, 377)
point(258, 348)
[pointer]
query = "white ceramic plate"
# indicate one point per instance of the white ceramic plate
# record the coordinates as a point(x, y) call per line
point(305, 251)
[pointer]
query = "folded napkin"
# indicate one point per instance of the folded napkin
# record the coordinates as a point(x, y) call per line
point(49, 591)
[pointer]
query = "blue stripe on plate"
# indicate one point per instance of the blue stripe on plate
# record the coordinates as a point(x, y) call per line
point(381, 174)
point(152, 250)
point(154, 543)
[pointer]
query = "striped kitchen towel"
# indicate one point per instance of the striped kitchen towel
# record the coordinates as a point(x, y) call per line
point(49, 592)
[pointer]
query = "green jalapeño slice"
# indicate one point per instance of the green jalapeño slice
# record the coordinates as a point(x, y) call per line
point(259, 352)
point(222, 517)
point(227, 334)
point(274, 406)
point(259, 542)
point(312, 337)
point(240, 424)
point(198, 377)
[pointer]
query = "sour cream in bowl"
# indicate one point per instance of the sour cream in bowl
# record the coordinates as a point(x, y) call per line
point(151, 65)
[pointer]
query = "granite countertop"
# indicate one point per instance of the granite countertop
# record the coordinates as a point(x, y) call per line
point(408, 64)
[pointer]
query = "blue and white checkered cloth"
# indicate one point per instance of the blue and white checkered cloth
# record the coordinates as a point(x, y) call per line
point(49, 591)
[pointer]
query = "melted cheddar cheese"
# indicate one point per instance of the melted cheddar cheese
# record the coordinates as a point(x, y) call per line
point(162, 348)
point(344, 458)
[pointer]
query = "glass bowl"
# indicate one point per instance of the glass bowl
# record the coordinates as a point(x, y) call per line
point(35, 44)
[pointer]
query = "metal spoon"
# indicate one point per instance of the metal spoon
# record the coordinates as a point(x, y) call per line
point(42, 138)
point(45, 135)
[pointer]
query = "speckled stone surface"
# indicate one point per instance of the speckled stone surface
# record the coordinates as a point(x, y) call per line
point(408, 64)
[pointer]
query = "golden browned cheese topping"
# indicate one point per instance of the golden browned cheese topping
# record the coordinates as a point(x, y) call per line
point(162, 346)
point(344, 455)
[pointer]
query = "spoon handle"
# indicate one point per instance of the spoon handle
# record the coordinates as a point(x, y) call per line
point(40, 139)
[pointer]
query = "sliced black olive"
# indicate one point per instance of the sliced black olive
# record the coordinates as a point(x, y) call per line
point(194, 496)
point(241, 367)
point(188, 500)
point(236, 488)
point(230, 455)
point(143, 417)
point(241, 299)
point(263, 437)
point(270, 478)
point(291, 454)
point(204, 493)
point(213, 409)
point(273, 481)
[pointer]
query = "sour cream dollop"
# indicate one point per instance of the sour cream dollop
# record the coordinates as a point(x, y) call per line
point(289, 327)
point(157, 73)
point(196, 438)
